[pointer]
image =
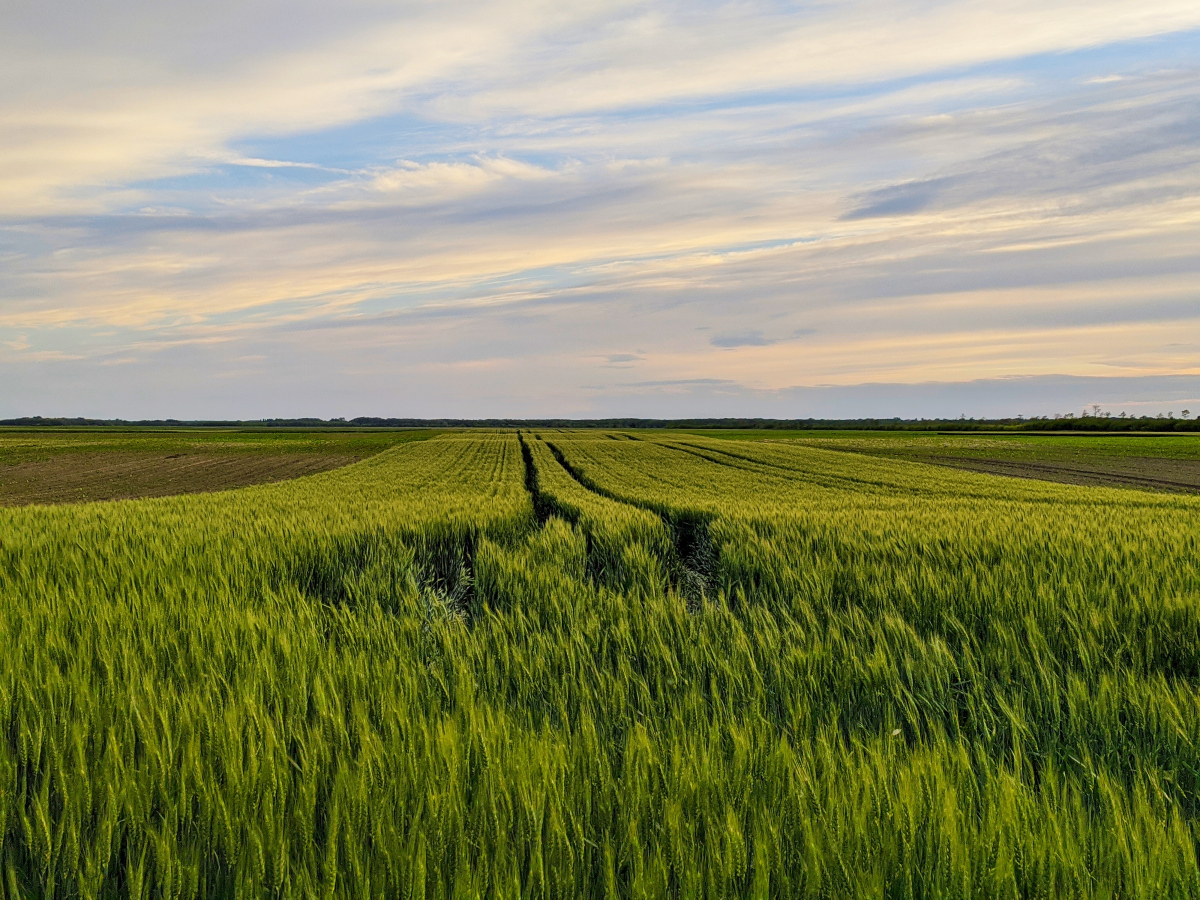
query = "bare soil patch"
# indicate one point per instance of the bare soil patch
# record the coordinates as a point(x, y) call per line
point(1144, 473)
point(76, 478)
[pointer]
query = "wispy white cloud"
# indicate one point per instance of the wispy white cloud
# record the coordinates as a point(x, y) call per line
point(281, 164)
point(443, 180)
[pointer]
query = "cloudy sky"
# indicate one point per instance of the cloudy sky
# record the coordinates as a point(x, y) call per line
point(604, 207)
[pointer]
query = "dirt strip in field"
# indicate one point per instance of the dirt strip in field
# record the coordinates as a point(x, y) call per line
point(1145, 473)
point(117, 476)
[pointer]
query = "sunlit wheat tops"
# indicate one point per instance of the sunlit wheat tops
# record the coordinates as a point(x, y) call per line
point(564, 665)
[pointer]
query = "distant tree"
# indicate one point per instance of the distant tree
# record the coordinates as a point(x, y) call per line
point(1185, 413)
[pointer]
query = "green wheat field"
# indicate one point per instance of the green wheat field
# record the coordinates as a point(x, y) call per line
point(584, 665)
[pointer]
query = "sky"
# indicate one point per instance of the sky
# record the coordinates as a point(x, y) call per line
point(599, 208)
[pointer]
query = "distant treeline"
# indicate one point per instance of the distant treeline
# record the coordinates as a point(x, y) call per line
point(1102, 423)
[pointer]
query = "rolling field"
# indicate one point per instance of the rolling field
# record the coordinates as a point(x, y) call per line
point(565, 664)
point(40, 466)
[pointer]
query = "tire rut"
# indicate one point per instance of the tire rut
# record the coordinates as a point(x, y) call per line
point(693, 565)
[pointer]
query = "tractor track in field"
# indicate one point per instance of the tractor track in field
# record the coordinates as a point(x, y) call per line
point(543, 507)
point(692, 570)
point(702, 453)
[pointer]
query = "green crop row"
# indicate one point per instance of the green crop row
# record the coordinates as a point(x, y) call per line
point(564, 665)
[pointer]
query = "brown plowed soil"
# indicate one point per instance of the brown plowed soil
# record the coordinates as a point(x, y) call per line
point(1146, 473)
point(117, 476)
